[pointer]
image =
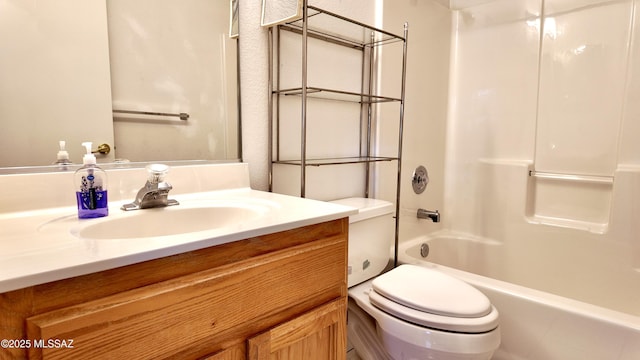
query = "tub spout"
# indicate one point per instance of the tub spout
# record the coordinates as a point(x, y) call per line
point(429, 214)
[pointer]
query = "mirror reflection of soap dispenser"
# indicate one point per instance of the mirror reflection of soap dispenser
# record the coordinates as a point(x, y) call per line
point(63, 156)
point(91, 187)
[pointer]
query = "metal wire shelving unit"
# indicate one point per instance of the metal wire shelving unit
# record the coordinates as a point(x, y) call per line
point(332, 28)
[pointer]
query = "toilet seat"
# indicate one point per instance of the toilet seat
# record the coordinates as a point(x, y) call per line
point(429, 298)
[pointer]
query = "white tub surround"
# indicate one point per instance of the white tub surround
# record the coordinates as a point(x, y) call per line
point(41, 238)
point(542, 151)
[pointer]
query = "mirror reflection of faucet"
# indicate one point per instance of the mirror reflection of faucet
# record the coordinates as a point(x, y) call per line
point(429, 214)
point(155, 192)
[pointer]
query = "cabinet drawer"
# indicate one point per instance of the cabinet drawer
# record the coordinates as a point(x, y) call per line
point(200, 312)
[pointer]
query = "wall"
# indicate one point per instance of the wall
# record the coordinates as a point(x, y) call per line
point(254, 82)
point(173, 59)
point(329, 66)
point(427, 90)
point(55, 81)
point(425, 110)
point(554, 92)
point(480, 128)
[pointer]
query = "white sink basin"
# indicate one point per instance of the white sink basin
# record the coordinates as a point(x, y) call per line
point(167, 221)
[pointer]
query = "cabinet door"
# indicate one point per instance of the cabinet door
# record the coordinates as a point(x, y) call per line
point(319, 334)
point(234, 353)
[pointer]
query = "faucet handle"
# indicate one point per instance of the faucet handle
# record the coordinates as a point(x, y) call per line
point(157, 172)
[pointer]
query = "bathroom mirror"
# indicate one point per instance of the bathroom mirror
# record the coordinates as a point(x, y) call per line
point(69, 65)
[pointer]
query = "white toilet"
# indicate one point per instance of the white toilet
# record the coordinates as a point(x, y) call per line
point(409, 312)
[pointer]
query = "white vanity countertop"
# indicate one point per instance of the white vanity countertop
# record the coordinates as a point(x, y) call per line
point(43, 245)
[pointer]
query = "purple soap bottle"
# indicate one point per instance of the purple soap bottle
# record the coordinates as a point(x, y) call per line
point(91, 187)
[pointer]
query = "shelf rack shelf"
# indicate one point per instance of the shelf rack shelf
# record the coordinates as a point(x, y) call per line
point(331, 27)
point(337, 160)
point(337, 95)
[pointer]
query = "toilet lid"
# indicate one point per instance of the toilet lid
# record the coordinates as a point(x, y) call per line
point(430, 291)
point(475, 325)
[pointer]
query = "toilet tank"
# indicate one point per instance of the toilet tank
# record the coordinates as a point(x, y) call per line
point(371, 235)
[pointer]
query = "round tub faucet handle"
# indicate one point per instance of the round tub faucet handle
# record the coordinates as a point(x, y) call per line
point(420, 179)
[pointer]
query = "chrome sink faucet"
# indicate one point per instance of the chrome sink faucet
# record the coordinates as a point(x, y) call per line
point(428, 214)
point(155, 192)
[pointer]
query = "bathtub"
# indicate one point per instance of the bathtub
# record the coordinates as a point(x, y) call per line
point(534, 324)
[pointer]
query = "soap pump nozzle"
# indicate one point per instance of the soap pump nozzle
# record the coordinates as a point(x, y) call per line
point(88, 158)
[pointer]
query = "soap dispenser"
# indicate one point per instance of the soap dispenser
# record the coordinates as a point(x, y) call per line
point(63, 156)
point(91, 187)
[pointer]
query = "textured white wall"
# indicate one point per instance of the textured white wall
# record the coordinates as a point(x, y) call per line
point(254, 92)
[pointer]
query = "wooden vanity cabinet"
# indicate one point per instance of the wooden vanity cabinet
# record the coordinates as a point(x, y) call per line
point(280, 296)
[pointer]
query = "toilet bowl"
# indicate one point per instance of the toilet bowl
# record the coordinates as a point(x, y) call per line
point(417, 322)
point(409, 312)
